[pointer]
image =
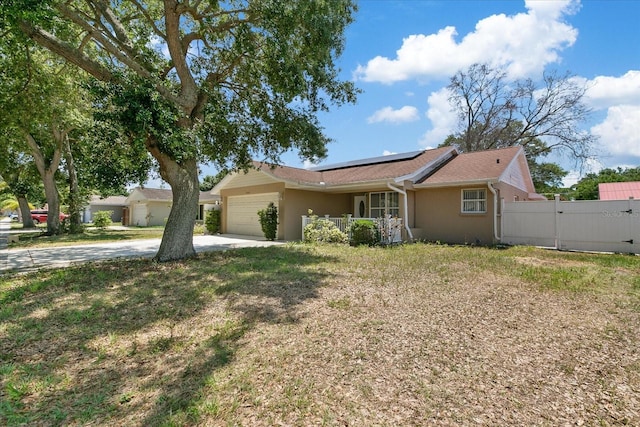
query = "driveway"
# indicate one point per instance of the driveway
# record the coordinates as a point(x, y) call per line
point(31, 259)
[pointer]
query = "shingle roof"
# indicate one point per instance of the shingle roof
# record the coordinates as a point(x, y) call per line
point(379, 169)
point(475, 166)
point(161, 194)
point(619, 190)
point(108, 201)
point(156, 193)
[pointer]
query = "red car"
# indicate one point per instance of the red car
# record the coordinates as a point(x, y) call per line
point(41, 216)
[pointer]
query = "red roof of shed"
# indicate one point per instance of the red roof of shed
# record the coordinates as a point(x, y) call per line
point(619, 190)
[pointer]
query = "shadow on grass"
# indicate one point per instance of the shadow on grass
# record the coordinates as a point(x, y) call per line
point(134, 342)
point(28, 240)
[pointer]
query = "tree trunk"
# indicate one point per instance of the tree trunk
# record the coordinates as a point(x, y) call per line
point(25, 212)
point(177, 239)
point(53, 201)
point(75, 198)
point(47, 172)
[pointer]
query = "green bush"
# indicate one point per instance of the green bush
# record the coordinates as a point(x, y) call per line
point(102, 219)
point(323, 231)
point(212, 221)
point(364, 232)
point(269, 221)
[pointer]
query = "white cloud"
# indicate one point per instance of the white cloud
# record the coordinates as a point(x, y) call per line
point(607, 91)
point(388, 114)
point(620, 131)
point(443, 119)
point(388, 153)
point(523, 44)
point(308, 164)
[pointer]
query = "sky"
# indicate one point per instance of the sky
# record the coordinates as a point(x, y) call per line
point(402, 53)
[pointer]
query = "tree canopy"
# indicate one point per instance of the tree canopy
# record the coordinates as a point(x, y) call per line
point(587, 187)
point(192, 81)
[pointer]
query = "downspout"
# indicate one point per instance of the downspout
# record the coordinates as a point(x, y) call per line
point(406, 208)
point(495, 211)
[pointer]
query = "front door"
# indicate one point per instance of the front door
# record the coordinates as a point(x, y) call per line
point(360, 207)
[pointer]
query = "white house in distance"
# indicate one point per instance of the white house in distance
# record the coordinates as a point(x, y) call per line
point(147, 207)
point(115, 204)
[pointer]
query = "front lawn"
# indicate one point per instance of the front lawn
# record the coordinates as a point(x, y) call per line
point(326, 335)
point(36, 239)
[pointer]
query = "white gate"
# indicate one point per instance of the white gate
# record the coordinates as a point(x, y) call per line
point(591, 225)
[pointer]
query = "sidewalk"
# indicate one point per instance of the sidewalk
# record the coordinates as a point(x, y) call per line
point(31, 259)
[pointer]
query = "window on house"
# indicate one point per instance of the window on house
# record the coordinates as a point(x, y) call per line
point(474, 201)
point(381, 204)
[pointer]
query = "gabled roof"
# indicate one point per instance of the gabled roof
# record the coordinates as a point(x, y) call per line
point(164, 195)
point(619, 190)
point(108, 201)
point(439, 167)
point(362, 171)
point(488, 165)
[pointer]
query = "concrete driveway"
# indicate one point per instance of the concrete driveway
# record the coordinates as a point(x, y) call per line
point(31, 259)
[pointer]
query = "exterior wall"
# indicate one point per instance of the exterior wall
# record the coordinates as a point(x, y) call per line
point(438, 216)
point(298, 202)
point(158, 212)
point(116, 215)
point(256, 189)
point(510, 193)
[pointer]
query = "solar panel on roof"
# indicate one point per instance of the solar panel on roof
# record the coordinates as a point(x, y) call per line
point(369, 161)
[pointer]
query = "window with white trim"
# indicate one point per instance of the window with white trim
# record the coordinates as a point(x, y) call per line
point(474, 200)
point(386, 203)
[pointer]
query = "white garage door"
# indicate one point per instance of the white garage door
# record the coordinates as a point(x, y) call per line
point(139, 214)
point(242, 213)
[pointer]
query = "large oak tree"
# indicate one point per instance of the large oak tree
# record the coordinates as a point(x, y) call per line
point(194, 80)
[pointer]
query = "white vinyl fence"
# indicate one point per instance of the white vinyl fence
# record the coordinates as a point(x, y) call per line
point(592, 225)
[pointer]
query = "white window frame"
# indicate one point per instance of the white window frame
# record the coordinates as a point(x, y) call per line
point(385, 208)
point(473, 203)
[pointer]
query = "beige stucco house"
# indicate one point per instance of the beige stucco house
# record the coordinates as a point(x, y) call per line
point(439, 194)
point(147, 207)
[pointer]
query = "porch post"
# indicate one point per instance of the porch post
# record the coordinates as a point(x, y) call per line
point(304, 223)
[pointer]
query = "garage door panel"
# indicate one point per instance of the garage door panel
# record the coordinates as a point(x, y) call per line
point(242, 213)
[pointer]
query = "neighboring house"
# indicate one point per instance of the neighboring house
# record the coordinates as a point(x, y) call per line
point(439, 194)
point(115, 204)
point(151, 206)
point(619, 190)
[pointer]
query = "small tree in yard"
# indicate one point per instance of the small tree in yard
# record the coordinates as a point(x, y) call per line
point(269, 221)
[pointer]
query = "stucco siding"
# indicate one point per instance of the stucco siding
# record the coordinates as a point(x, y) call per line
point(251, 179)
point(439, 217)
point(298, 202)
point(158, 212)
point(245, 191)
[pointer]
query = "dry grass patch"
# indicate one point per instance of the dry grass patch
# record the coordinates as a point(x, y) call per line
point(329, 335)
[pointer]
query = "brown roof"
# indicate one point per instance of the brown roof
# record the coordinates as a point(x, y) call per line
point(475, 166)
point(378, 170)
point(619, 190)
point(156, 193)
point(161, 194)
point(108, 201)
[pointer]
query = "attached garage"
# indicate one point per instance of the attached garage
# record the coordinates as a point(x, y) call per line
point(139, 215)
point(242, 213)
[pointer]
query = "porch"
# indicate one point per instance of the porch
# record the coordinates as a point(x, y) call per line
point(389, 228)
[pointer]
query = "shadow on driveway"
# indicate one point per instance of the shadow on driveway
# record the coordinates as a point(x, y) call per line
point(52, 257)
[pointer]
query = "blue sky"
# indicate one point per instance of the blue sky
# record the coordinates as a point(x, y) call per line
point(402, 53)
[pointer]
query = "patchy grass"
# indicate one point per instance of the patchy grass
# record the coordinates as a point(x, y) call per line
point(326, 335)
